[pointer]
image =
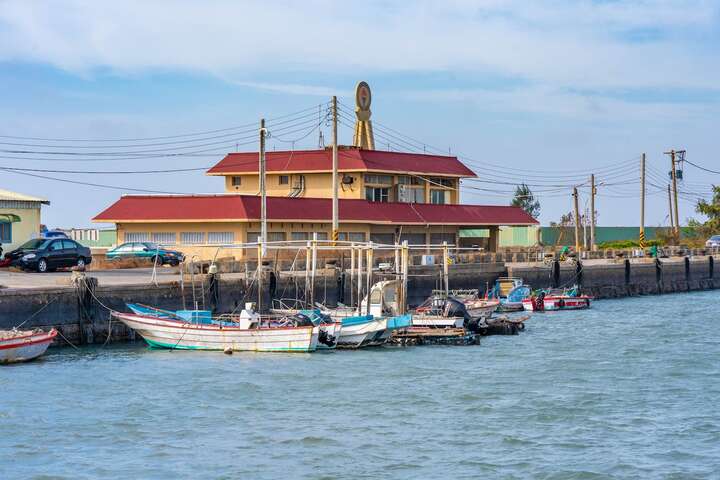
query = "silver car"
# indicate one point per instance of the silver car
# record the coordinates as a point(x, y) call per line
point(713, 241)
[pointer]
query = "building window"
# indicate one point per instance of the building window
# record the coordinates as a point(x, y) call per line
point(276, 236)
point(137, 237)
point(377, 194)
point(299, 236)
point(378, 179)
point(284, 180)
point(253, 237)
point(439, 238)
point(236, 181)
point(408, 194)
point(221, 237)
point(192, 238)
point(410, 180)
point(164, 238)
point(351, 236)
point(445, 182)
point(440, 197)
point(5, 232)
point(322, 235)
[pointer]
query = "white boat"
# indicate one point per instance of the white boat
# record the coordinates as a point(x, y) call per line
point(249, 334)
point(22, 346)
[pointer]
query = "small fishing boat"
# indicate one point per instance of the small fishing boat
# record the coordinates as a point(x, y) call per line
point(476, 307)
point(248, 331)
point(557, 300)
point(510, 292)
point(24, 345)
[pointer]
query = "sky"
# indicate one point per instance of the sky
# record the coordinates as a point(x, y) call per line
point(541, 92)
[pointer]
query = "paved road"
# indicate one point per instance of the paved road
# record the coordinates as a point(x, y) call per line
point(130, 276)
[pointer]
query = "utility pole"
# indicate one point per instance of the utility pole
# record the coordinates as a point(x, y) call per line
point(593, 192)
point(263, 195)
point(335, 212)
point(672, 225)
point(577, 220)
point(642, 201)
point(675, 194)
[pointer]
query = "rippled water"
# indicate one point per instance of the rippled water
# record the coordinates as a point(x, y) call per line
point(629, 389)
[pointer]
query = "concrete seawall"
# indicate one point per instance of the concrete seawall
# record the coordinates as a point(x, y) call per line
point(82, 316)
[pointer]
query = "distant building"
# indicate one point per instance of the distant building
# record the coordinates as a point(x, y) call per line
point(384, 197)
point(19, 218)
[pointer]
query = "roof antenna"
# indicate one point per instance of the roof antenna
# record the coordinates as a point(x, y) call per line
point(321, 137)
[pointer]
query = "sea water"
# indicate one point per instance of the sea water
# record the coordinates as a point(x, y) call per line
point(628, 389)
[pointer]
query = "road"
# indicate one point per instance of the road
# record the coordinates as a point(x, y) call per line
point(130, 276)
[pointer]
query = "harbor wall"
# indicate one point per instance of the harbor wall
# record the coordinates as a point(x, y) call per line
point(81, 313)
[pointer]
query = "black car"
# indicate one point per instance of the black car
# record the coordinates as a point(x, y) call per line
point(46, 254)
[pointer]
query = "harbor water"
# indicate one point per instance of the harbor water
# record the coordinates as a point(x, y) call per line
point(628, 389)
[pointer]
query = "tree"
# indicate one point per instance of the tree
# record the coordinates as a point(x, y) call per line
point(525, 199)
point(712, 211)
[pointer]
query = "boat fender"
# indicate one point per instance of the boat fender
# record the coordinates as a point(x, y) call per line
point(228, 350)
point(521, 326)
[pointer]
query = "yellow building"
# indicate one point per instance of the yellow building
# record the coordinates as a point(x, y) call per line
point(19, 218)
point(384, 197)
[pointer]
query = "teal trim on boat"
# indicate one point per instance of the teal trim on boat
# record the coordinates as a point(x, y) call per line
point(348, 321)
point(160, 345)
point(401, 321)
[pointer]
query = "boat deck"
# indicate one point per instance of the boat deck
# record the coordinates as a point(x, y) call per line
point(434, 336)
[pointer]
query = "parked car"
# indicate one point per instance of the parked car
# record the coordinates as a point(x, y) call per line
point(713, 241)
point(47, 254)
point(146, 250)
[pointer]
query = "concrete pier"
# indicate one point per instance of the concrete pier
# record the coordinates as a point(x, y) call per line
point(82, 315)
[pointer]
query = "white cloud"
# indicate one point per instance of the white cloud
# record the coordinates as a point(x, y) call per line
point(569, 43)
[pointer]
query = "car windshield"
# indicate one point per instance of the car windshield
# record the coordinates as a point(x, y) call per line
point(34, 244)
point(715, 238)
point(151, 246)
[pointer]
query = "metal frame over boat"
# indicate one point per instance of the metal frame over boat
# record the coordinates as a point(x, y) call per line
point(23, 346)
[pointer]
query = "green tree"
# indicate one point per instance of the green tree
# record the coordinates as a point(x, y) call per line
point(712, 211)
point(525, 199)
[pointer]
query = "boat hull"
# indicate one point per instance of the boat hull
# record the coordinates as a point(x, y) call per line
point(437, 321)
point(24, 348)
point(551, 303)
point(175, 334)
point(363, 334)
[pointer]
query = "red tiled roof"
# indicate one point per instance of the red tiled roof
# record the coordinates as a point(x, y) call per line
point(349, 160)
point(217, 208)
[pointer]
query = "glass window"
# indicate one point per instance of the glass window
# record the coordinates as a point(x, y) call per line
point(439, 238)
point(284, 180)
point(139, 247)
point(37, 243)
point(351, 236)
point(378, 179)
point(5, 232)
point(276, 236)
point(69, 244)
point(410, 180)
point(164, 238)
point(298, 236)
point(411, 195)
point(377, 194)
point(221, 237)
point(253, 237)
point(439, 196)
point(236, 181)
point(322, 235)
point(55, 246)
point(445, 182)
point(137, 237)
point(192, 238)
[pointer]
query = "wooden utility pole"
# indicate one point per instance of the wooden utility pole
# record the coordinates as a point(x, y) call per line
point(335, 207)
point(263, 193)
point(670, 206)
point(675, 194)
point(577, 220)
point(642, 201)
point(593, 191)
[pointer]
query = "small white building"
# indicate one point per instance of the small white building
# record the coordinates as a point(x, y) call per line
point(19, 218)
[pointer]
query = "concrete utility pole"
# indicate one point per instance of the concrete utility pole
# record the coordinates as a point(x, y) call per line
point(672, 225)
point(593, 192)
point(577, 220)
point(335, 208)
point(642, 201)
point(675, 193)
point(263, 195)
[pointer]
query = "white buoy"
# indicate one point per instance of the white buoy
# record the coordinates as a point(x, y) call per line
point(228, 350)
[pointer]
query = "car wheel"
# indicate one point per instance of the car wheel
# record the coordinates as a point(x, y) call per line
point(80, 262)
point(155, 259)
point(42, 265)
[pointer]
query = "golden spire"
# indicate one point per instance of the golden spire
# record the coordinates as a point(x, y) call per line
point(363, 136)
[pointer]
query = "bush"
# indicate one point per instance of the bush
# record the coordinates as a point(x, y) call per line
point(623, 244)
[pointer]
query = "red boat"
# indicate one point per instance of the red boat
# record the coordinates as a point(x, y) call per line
point(556, 301)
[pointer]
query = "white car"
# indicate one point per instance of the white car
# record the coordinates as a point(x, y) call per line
point(713, 241)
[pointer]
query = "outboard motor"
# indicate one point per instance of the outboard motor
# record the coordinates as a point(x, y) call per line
point(456, 308)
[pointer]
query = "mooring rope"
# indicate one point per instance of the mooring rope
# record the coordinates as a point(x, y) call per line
point(65, 338)
point(36, 313)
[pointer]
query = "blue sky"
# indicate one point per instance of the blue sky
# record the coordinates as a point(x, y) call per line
point(544, 92)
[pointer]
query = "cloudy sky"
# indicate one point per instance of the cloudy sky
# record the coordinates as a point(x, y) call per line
point(544, 92)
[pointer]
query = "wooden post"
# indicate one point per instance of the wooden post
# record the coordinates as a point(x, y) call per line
point(642, 201)
point(335, 208)
point(593, 192)
point(577, 220)
point(445, 270)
